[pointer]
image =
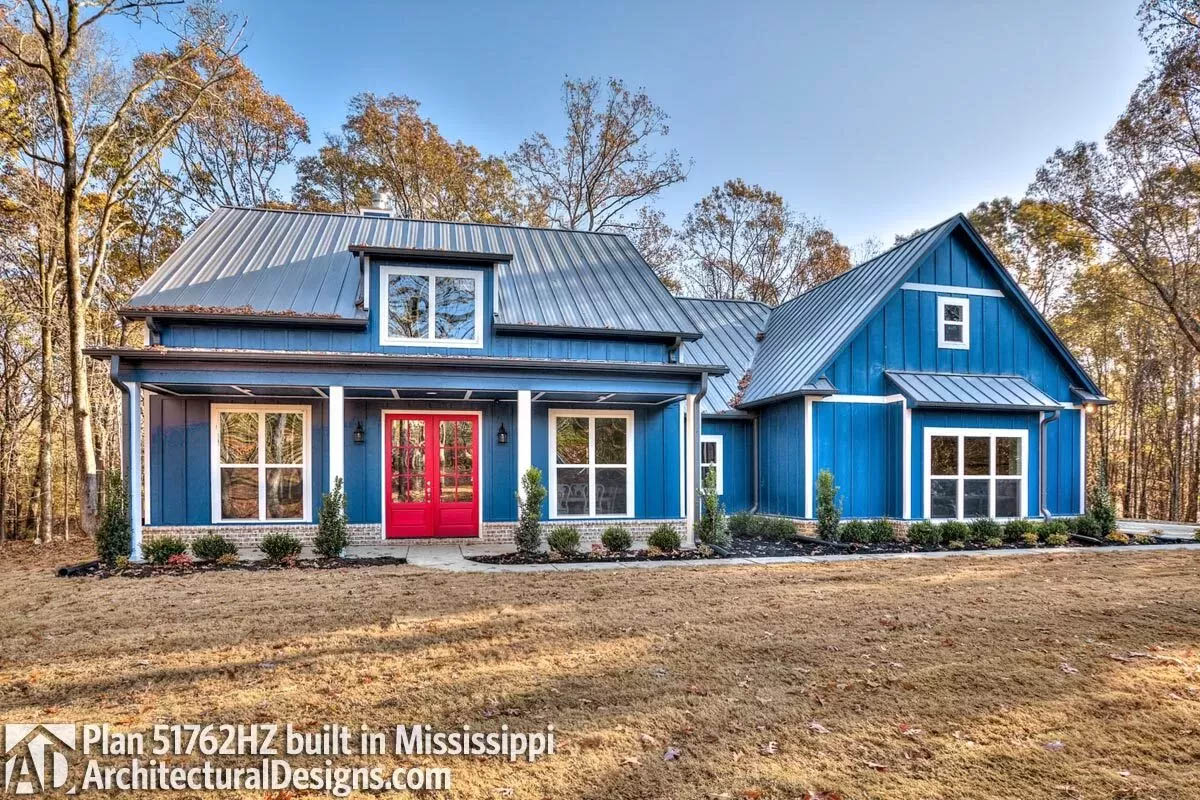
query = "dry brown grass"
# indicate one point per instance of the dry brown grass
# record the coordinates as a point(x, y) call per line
point(925, 679)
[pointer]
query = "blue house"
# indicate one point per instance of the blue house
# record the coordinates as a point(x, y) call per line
point(429, 364)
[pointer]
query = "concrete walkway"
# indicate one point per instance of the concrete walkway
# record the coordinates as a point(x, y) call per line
point(1172, 530)
point(453, 557)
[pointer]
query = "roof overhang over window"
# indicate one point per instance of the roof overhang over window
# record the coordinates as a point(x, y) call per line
point(971, 392)
point(1090, 398)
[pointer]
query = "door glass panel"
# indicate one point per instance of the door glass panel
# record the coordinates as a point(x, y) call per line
point(975, 498)
point(611, 496)
point(1008, 456)
point(285, 493)
point(455, 461)
point(610, 440)
point(1008, 498)
point(454, 308)
point(572, 491)
point(408, 306)
point(239, 493)
point(239, 438)
point(408, 461)
point(285, 438)
point(943, 498)
point(977, 457)
point(571, 440)
point(943, 455)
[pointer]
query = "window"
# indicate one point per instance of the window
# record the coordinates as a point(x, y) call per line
point(954, 323)
point(973, 473)
point(711, 456)
point(591, 458)
point(426, 306)
point(260, 458)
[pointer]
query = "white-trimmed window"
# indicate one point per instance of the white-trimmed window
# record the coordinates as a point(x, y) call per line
point(954, 323)
point(261, 457)
point(712, 457)
point(972, 472)
point(430, 306)
point(591, 463)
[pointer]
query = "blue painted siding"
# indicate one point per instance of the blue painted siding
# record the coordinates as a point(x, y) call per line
point(263, 337)
point(1062, 464)
point(902, 334)
point(860, 443)
point(737, 442)
point(781, 458)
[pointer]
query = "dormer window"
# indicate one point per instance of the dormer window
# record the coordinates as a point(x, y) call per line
point(954, 323)
point(424, 306)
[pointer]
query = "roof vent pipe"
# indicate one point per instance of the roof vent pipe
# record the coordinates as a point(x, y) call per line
point(1043, 506)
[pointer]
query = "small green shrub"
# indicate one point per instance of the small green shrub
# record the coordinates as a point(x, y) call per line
point(113, 535)
point(955, 544)
point(1083, 526)
point(924, 534)
point(882, 530)
point(1057, 539)
point(616, 539)
point(712, 528)
point(529, 530)
point(994, 542)
point(1101, 508)
point(1050, 528)
point(121, 562)
point(856, 530)
point(333, 536)
point(228, 559)
point(1030, 539)
point(983, 529)
point(212, 546)
point(1196, 535)
point(1116, 537)
point(665, 538)
point(160, 550)
point(564, 540)
point(1015, 530)
point(1142, 538)
point(744, 525)
point(776, 529)
point(829, 512)
point(279, 546)
point(954, 531)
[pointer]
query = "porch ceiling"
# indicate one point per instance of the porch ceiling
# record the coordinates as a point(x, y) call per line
point(262, 391)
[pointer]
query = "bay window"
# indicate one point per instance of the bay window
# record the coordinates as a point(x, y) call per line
point(260, 463)
point(430, 307)
point(591, 463)
point(973, 473)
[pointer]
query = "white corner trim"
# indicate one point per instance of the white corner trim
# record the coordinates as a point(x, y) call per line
point(214, 464)
point(906, 455)
point(630, 461)
point(809, 478)
point(940, 288)
point(1082, 461)
point(719, 440)
point(432, 273)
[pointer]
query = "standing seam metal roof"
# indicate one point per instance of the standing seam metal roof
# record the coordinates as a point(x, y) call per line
point(956, 390)
point(729, 329)
point(299, 263)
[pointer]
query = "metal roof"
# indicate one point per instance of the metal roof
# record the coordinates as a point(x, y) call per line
point(730, 329)
point(804, 333)
point(300, 264)
point(979, 392)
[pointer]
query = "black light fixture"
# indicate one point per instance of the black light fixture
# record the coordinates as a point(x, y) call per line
point(502, 435)
point(358, 433)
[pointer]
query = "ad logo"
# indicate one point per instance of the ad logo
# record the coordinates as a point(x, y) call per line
point(35, 756)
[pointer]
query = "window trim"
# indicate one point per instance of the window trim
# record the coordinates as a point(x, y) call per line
point(432, 273)
point(992, 477)
point(552, 484)
point(719, 440)
point(964, 304)
point(215, 411)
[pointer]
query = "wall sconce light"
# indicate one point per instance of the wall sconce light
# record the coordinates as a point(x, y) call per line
point(502, 435)
point(358, 433)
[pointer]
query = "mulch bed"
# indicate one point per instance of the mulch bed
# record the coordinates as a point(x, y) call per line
point(94, 569)
point(595, 557)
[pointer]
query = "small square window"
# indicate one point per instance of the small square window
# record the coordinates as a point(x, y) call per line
point(954, 323)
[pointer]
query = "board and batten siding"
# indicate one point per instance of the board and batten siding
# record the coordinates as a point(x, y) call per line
point(781, 458)
point(737, 461)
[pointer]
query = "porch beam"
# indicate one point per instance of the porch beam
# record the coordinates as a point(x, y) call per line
point(337, 434)
point(524, 437)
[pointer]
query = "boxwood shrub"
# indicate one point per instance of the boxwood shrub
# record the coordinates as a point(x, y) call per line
point(855, 530)
point(278, 546)
point(1015, 530)
point(983, 529)
point(665, 538)
point(212, 546)
point(882, 530)
point(924, 534)
point(1055, 527)
point(616, 539)
point(954, 531)
point(160, 549)
point(563, 539)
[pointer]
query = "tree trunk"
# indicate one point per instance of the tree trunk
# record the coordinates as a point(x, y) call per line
point(81, 402)
point(45, 468)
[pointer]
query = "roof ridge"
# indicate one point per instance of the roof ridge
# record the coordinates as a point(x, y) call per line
point(723, 300)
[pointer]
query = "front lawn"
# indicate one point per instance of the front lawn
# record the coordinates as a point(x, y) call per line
point(1072, 675)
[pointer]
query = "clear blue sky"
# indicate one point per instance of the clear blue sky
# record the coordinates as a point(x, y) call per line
point(878, 117)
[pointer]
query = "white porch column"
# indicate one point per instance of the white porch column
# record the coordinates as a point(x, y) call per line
point(337, 435)
point(906, 456)
point(524, 436)
point(691, 436)
point(809, 478)
point(135, 470)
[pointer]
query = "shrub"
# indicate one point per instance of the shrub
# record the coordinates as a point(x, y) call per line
point(1143, 538)
point(113, 535)
point(776, 529)
point(332, 534)
point(212, 546)
point(1015, 530)
point(1050, 528)
point(180, 560)
point(829, 513)
point(280, 546)
point(983, 529)
point(856, 530)
point(529, 532)
point(564, 540)
point(712, 529)
point(744, 525)
point(1030, 539)
point(616, 539)
point(1057, 539)
point(994, 542)
point(228, 559)
point(882, 530)
point(665, 538)
point(121, 562)
point(160, 550)
point(1101, 509)
point(924, 534)
point(954, 531)
point(1116, 537)
point(1085, 526)
point(1196, 535)
point(955, 544)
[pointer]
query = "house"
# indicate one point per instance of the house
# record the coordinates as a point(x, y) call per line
point(429, 364)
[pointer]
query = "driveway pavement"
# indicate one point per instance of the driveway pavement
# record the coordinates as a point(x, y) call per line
point(1175, 530)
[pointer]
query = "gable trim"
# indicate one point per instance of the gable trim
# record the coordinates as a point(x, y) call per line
point(944, 289)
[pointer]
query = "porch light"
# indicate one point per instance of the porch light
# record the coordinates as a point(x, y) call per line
point(358, 433)
point(502, 435)
point(1089, 407)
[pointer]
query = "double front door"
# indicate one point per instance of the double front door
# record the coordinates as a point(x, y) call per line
point(432, 475)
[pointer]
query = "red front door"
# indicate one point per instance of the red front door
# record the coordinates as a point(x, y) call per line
point(431, 466)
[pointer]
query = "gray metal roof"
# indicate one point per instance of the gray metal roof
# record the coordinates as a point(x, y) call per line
point(980, 392)
point(300, 264)
point(730, 328)
point(804, 333)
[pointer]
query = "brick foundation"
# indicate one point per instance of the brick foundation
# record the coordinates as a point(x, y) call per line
point(251, 535)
